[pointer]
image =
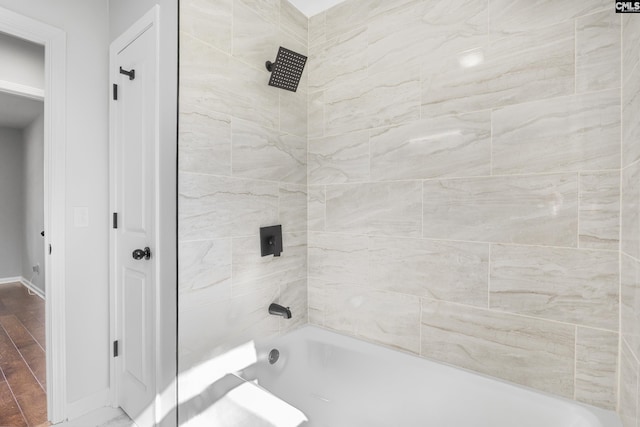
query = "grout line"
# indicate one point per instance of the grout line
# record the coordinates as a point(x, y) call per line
point(489, 278)
point(23, 359)
point(491, 143)
point(471, 242)
point(14, 397)
point(575, 363)
point(468, 306)
point(422, 211)
point(578, 210)
point(575, 56)
point(620, 253)
point(30, 334)
point(420, 329)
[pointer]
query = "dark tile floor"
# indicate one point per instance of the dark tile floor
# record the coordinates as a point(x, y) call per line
point(23, 399)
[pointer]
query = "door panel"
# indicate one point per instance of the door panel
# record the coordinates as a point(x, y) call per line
point(135, 143)
point(133, 331)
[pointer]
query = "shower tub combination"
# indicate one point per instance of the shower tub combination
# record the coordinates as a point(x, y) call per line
point(338, 381)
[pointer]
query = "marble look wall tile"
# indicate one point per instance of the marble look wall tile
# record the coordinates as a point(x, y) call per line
point(271, 282)
point(294, 21)
point(347, 208)
point(441, 147)
point(630, 218)
point(508, 17)
point(568, 285)
point(346, 16)
point(316, 301)
point(315, 115)
point(384, 209)
point(203, 264)
point(598, 51)
point(293, 110)
point(599, 211)
point(338, 60)
point(558, 135)
point(247, 24)
point(339, 159)
point(397, 38)
point(209, 21)
point(262, 153)
point(214, 207)
point(630, 42)
point(356, 310)
point(379, 99)
point(215, 81)
point(630, 122)
point(538, 210)
point(287, 39)
point(339, 258)
point(218, 326)
point(205, 141)
point(382, 7)
point(520, 68)
point(224, 84)
point(407, 33)
point(315, 208)
point(218, 82)
point(248, 265)
point(294, 295)
point(317, 33)
point(269, 9)
point(628, 405)
point(630, 300)
point(532, 352)
point(448, 271)
point(204, 76)
point(249, 97)
point(597, 367)
point(292, 207)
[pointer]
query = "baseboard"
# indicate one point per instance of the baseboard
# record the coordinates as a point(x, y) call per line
point(33, 288)
point(88, 404)
point(6, 280)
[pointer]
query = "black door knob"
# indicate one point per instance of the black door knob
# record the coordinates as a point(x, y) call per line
point(142, 253)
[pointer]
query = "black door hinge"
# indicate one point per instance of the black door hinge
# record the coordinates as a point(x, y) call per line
point(115, 348)
point(49, 249)
point(115, 92)
point(115, 220)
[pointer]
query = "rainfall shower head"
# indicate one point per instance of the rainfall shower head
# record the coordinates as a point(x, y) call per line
point(287, 70)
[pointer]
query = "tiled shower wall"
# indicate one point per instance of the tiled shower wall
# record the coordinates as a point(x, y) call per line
point(242, 165)
point(464, 185)
point(630, 244)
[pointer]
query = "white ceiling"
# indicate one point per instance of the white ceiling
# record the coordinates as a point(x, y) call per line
point(313, 7)
point(18, 112)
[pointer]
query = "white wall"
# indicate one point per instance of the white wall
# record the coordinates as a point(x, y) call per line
point(87, 309)
point(122, 14)
point(33, 202)
point(10, 203)
point(22, 62)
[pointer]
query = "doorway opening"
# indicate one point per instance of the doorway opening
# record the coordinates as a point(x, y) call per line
point(30, 323)
point(22, 249)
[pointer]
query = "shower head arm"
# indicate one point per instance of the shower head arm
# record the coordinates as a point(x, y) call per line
point(269, 65)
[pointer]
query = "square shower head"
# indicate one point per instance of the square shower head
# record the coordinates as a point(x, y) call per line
point(286, 71)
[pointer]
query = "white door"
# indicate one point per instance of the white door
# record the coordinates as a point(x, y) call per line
point(134, 137)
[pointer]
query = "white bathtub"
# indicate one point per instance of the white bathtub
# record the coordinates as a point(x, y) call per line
point(338, 381)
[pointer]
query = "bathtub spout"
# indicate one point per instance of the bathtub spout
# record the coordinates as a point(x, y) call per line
point(278, 310)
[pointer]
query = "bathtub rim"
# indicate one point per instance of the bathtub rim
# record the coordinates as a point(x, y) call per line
point(607, 417)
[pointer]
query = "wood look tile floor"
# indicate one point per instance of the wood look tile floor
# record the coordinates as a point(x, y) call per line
point(23, 399)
